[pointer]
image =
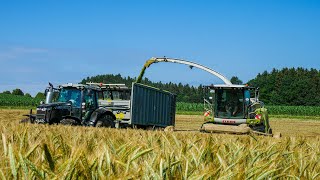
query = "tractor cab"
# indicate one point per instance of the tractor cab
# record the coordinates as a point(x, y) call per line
point(82, 98)
point(68, 100)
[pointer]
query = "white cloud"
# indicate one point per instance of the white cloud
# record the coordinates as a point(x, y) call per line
point(11, 53)
point(29, 50)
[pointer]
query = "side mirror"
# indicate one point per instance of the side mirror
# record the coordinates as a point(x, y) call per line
point(45, 92)
point(257, 93)
point(41, 102)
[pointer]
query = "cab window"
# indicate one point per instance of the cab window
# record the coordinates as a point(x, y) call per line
point(90, 99)
point(229, 103)
point(70, 95)
point(116, 95)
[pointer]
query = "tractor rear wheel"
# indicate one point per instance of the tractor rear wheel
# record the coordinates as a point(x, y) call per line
point(106, 121)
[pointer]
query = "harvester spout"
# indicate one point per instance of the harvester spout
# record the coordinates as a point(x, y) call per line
point(180, 61)
point(145, 66)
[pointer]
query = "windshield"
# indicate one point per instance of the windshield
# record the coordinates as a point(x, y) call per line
point(116, 95)
point(229, 103)
point(70, 95)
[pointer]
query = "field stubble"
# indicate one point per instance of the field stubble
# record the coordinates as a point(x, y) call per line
point(42, 152)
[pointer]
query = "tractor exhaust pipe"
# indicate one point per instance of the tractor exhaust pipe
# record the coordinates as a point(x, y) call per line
point(49, 94)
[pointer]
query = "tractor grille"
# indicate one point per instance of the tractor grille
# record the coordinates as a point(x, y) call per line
point(41, 114)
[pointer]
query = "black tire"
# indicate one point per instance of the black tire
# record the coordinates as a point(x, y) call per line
point(69, 122)
point(105, 121)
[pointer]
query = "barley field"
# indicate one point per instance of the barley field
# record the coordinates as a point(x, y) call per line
point(60, 152)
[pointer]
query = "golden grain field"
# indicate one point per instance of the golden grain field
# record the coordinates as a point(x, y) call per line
point(59, 152)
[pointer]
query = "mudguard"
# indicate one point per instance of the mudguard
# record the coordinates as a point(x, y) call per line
point(98, 114)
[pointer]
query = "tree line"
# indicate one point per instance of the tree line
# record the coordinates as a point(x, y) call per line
point(19, 92)
point(289, 86)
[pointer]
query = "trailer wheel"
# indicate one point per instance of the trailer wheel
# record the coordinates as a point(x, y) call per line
point(69, 122)
point(106, 121)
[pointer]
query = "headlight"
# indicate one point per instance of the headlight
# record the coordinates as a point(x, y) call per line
point(258, 116)
point(41, 109)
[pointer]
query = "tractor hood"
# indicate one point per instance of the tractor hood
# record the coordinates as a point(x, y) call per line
point(53, 112)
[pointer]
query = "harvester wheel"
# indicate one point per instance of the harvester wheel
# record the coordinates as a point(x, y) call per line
point(69, 122)
point(261, 128)
point(106, 121)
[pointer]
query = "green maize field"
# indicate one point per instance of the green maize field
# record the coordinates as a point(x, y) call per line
point(18, 101)
point(294, 110)
point(182, 106)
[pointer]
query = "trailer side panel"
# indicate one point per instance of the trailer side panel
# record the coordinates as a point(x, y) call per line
point(152, 107)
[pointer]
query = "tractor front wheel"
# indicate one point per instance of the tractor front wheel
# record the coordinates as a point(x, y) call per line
point(69, 122)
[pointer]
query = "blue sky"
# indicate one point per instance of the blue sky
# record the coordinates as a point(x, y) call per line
point(66, 41)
